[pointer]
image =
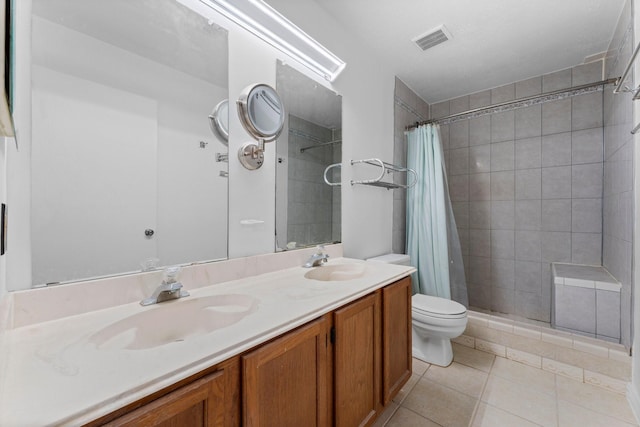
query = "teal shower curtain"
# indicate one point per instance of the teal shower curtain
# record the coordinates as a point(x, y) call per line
point(432, 236)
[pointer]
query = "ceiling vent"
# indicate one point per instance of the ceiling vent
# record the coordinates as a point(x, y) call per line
point(432, 38)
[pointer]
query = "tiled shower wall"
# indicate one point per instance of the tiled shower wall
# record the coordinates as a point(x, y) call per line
point(526, 187)
point(618, 170)
point(408, 109)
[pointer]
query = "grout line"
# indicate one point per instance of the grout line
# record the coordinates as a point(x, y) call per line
point(484, 387)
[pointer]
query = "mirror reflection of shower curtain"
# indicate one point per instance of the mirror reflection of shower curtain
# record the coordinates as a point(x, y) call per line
point(432, 236)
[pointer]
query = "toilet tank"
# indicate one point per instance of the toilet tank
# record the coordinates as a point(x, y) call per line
point(399, 259)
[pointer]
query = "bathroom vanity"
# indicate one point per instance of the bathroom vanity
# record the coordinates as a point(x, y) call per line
point(284, 350)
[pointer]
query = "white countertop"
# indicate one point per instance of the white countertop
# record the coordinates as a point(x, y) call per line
point(52, 373)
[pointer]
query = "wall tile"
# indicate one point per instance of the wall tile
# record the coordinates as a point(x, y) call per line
point(528, 153)
point(586, 248)
point(586, 73)
point(459, 134)
point(528, 215)
point(480, 186)
point(502, 156)
point(463, 235)
point(529, 87)
point(528, 277)
point(503, 244)
point(480, 214)
point(480, 269)
point(503, 300)
point(503, 273)
point(608, 313)
point(586, 111)
point(586, 215)
point(479, 296)
point(502, 215)
point(503, 126)
point(530, 305)
point(575, 308)
point(528, 245)
point(555, 246)
point(503, 93)
point(444, 136)
point(556, 149)
point(502, 185)
point(556, 182)
point(480, 243)
point(587, 146)
point(480, 99)
point(480, 158)
point(556, 215)
point(586, 180)
point(556, 116)
point(459, 161)
point(459, 105)
point(460, 213)
point(557, 80)
point(480, 130)
point(528, 184)
point(528, 122)
point(459, 188)
point(440, 109)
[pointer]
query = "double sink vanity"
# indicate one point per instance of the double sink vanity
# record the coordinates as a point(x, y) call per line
point(328, 345)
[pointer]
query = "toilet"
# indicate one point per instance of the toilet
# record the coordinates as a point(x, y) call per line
point(435, 321)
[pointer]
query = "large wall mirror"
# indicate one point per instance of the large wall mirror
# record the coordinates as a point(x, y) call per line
point(126, 171)
point(307, 209)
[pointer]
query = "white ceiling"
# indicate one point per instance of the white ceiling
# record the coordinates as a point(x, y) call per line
point(494, 42)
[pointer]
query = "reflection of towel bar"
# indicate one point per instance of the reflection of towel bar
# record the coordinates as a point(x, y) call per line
point(333, 184)
point(387, 168)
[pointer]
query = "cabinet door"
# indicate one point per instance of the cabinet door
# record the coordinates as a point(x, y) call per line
point(357, 362)
point(396, 337)
point(285, 382)
point(200, 403)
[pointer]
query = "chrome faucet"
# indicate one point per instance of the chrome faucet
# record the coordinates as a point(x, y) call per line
point(317, 259)
point(169, 289)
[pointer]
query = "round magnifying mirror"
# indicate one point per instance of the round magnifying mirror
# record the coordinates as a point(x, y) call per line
point(261, 112)
point(262, 115)
point(219, 120)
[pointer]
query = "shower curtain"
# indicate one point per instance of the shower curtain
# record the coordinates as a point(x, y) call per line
point(432, 235)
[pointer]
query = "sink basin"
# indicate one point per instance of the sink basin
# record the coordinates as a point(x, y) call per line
point(340, 272)
point(174, 321)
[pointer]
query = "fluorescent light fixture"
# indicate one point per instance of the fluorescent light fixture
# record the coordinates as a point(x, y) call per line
point(266, 23)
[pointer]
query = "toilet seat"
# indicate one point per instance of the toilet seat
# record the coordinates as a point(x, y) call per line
point(437, 307)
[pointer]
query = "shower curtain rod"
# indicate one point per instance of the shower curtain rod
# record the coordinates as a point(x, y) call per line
point(515, 101)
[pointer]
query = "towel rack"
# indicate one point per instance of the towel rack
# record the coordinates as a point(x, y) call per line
point(386, 168)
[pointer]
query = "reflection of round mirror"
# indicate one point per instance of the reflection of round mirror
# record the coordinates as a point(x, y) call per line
point(219, 120)
point(261, 112)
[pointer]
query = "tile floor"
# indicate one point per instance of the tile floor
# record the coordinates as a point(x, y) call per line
point(480, 389)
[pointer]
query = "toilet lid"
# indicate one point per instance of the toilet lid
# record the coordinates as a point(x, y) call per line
point(436, 305)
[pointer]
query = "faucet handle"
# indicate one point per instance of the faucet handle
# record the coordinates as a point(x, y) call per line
point(171, 273)
point(319, 249)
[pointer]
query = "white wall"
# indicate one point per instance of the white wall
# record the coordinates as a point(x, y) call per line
point(634, 388)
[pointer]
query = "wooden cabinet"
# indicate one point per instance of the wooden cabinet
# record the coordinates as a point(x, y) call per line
point(200, 403)
point(396, 338)
point(357, 362)
point(285, 381)
point(210, 398)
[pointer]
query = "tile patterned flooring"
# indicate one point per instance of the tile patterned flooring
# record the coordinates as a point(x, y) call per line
point(480, 389)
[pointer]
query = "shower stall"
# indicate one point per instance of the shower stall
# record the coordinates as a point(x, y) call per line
point(540, 173)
